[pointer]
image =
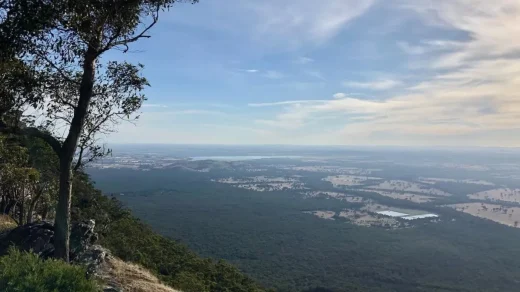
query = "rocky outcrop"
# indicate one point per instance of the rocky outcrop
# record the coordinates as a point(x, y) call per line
point(39, 238)
point(117, 275)
point(35, 237)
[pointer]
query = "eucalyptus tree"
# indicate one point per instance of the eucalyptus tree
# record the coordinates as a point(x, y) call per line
point(82, 94)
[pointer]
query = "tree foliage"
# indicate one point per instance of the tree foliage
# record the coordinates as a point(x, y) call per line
point(28, 175)
point(74, 87)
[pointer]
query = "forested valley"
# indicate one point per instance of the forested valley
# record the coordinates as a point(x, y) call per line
point(270, 236)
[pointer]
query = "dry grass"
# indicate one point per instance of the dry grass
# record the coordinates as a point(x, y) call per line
point(334, 195)
point(406, 196)
point(348, 180)
point(6, 223)
point(501, 214)
point(131, 277)
point(502, 194)
point(323, 214)
point(405, 186)
point(363, 218)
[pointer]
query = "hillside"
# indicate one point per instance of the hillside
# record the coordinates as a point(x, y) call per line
point(131, 242)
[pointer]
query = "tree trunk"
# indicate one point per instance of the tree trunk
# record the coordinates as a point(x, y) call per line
point(62, 221)
point(45, 211)
point(68, 149)
point(3, 204)
point(9, 206)
point(21, 211)
point(32, 205)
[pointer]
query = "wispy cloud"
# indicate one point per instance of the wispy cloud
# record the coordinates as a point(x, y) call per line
point(305, 21)
point(381, 84)
point(251, 71)
point(303, 60)
point(339, 95)
point(410, 49)
point(488, 24)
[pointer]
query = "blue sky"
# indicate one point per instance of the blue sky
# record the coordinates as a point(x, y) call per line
point(331, 72)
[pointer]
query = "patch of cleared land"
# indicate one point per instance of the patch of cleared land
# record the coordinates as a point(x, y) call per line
point(501, 214)
point(406, 196)
point(257, 179)
point(335, 195)
point(376, 215)
point(323, 214)
point(363, 218)
point(264, 184)
point(348, 180)
point(270, 187)
point(405, 186)
point(334, 169)
point(378, 208)
point(433, 180)
point(502, 194)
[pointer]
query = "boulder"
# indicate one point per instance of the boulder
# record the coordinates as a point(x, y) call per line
point(38, 237)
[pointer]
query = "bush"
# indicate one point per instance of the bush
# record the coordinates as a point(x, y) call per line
point(26, 272)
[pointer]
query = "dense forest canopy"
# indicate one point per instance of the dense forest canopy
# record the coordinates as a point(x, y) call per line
point(271, 236)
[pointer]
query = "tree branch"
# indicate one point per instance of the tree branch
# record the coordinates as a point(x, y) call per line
point(60, 71)
point(80, 158)
point(48, 138)
point(125, 42)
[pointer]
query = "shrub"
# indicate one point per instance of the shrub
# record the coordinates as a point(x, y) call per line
point(26, 272)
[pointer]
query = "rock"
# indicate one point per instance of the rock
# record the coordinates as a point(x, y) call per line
point(39, 238)
point(82, 236)
point(92, 258)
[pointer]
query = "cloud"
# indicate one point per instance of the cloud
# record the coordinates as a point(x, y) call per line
point(470, 101)
point(271, 74)
point(489, 26)
point(339, 95)
point(411, 50)
point(303, 60)
point(251, 71)
point(382, 84)
point(304, 21)
point(464, 90)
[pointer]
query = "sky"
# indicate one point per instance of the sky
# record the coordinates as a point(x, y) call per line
point(331, 72)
